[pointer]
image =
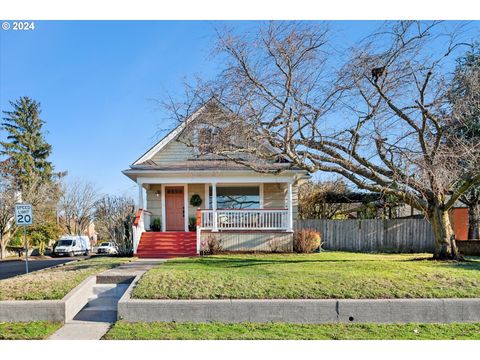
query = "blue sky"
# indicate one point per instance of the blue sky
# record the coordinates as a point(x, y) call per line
point(96, 81)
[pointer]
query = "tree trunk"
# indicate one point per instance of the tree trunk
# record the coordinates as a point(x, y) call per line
point(2, 249)
point(474, 221)
point(445, 247)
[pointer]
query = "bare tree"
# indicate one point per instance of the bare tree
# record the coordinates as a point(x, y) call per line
point(379, 120)
point(311, 195)
point(76, 207)
point(42, 195)
point(114, 217)
point(8, 197)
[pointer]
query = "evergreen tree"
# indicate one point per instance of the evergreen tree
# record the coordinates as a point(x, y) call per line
point(25, 147)
point(26, 174)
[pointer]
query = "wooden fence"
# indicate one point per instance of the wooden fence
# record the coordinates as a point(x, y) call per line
point(395, 236)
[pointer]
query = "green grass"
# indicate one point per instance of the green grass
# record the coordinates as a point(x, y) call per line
point(282, 331)
point(54, 283)
point(311, 276)
point(28, 331)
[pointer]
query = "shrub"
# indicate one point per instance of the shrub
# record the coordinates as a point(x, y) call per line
point(306, 241)
point(278, 246)
point(214, 245)
point(156, 224)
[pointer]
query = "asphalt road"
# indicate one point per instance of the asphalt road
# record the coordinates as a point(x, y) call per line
point(13, 268)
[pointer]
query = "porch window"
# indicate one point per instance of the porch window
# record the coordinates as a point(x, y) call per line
point(236, 197)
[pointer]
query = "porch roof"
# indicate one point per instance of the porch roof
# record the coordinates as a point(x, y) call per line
point(155, 175)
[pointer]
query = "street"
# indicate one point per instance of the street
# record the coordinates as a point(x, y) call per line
point(13, 268)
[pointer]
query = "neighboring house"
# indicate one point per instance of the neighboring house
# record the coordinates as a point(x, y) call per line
point(459, 218)
point(243, 209)
point(91, 233)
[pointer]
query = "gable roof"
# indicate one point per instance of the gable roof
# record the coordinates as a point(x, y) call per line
point(148, 161)
point(169, 137)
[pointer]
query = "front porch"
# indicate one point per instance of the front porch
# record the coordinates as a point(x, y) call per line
point(244, 215)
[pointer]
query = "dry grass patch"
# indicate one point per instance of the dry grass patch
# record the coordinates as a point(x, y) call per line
point(54, 283)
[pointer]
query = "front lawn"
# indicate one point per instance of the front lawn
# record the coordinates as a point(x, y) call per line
point(281, 331)
point(326, 275)
point(36, 330)
point(55, 283)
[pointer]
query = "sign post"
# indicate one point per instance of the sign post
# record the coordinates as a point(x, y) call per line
point(23, 216)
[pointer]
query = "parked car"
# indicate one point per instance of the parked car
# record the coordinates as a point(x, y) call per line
point(107, 248)
point(72, 245)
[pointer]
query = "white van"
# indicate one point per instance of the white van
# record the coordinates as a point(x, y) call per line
point(72, 245)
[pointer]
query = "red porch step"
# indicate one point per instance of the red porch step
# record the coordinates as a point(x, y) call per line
point(166, 245)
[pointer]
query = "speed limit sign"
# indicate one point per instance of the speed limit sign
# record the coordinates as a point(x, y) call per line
point(23, 214)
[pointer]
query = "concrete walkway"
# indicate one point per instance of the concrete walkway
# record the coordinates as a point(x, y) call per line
point(81, 330)
point(129, 270)
point(100, 313)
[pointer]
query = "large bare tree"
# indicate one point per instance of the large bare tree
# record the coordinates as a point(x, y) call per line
point(377, 115)
point(76, 207)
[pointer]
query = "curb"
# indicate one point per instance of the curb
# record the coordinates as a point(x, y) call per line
point(303, 311)
point(46, 310)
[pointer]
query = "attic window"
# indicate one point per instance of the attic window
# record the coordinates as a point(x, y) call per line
point(205, 140)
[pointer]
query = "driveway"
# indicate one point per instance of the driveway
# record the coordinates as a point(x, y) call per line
point(13, 268)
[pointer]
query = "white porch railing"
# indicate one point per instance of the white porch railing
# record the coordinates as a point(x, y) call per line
point(251, 219)
point(141, 223)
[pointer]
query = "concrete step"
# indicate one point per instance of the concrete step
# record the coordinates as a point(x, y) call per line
point(109, 290)
point(105, 306)
point(101, 302)
point(97, 315)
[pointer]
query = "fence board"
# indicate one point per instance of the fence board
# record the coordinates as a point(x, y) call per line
point(395, 236)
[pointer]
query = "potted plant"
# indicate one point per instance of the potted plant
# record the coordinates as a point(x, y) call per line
point(156, 224)
point(192, 223)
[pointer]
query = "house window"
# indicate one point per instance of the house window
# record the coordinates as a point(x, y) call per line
point(205, 140)
point(236, 197)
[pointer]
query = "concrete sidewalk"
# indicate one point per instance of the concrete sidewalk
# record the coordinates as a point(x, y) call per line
point(100, 313)
point(81, 330)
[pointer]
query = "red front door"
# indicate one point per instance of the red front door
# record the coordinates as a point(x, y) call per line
point(174, 208)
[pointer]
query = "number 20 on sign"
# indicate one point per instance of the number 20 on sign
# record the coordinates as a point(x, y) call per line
point(23, 216)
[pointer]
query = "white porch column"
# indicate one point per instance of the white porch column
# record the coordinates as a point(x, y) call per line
point(140, 195)
point(214, 207)
point(162, 200)
point(206, 199)
point(289, 207)
point(261, 195)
